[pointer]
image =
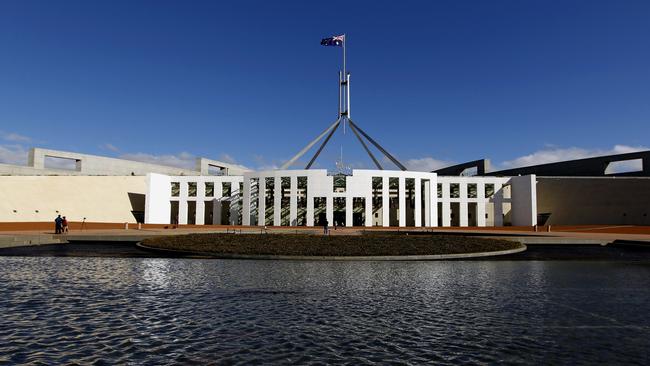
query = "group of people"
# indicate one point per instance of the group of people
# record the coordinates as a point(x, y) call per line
point(60, 225)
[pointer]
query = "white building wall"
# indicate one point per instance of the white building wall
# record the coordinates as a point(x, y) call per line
point(358, 185)
point(159, 197)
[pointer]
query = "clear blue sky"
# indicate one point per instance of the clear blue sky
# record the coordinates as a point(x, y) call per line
point(443, 80)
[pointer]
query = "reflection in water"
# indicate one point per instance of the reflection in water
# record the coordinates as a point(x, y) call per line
point(153, 311)
point(156, 272)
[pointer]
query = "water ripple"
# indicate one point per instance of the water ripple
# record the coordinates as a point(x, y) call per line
point(181, 311)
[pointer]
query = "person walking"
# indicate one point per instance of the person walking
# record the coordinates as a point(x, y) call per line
point(58, 224)
point(64, 225)
point(325, 227)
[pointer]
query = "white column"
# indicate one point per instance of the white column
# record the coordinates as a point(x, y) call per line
point(402, 201)
point(463, 219)
point(434, 201)
point(246, 202)
point(200, 202)
point(277, 202)
point(480, 204)
point(427, 203)
point(182, 212)
point(200, 211)
point(368, 209)
point(182, 204)
point(446, 207)
point(329, 209)
point(261, 202)
point(418, 202)
point(293, 202)
point(385, 201)
point(498, 204)
point(218, 198)
point(348, 210)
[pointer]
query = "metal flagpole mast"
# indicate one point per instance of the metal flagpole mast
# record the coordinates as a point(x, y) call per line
point(345, 78)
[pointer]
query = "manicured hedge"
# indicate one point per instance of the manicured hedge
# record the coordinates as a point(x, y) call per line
point(321, 245)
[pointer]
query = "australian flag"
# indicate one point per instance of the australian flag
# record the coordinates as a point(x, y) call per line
point(333, 41)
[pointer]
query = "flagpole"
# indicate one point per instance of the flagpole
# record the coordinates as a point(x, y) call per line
point(344, 42)
point(345, 78)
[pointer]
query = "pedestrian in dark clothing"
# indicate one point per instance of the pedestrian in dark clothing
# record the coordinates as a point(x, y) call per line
point(325, 227)
point(58, 225)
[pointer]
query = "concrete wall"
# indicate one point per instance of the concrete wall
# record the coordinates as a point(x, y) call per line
point(98, 199)
point(100, 165)
point(594, 201)
point(524, 200)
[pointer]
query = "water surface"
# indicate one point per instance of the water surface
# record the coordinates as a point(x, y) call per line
point(152, 311)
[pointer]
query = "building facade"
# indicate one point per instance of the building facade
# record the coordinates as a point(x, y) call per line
point(364, 198)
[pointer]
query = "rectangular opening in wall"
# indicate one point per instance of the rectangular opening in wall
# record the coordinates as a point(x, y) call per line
point(425, 202)
point(209, 189)
point(409, 196)
point(469, 172)
point(216, 170)
point(507, 214)
point(224, 211)
point(624, 166)
point(471, 190)
point(489, 190)
point(377, 201)
point(320, 213)
point(235, 203)
point(285, 202)
point(191, 189)
point(339, 211)
point(254, 200)
point(439, 190)
point(173, 217)
point(455, 213)
point(506, 191)
point(176, 189)
point(302, 201)
point(489, 214)
point(472, 209)
point(226, 189)
point(454, 190)
point(191, 212)
point(208, 214)
point(358, 211)
point(55, 162)
point(269, 200)
point(393, 202)
point(339, 181)
point(440, 214)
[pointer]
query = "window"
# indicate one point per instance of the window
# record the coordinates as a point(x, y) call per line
point(226, 189)
point(176, 189)
point(471, 190)
point(454, 190)
point(191, 189)
point(339, 183)
point(209, 189)
point(489, 190)
point(439, 190)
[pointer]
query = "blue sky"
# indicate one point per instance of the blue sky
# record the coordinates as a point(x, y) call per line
point(435, 82)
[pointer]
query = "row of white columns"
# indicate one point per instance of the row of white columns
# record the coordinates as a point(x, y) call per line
point(200, 200)
point(430, 208)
